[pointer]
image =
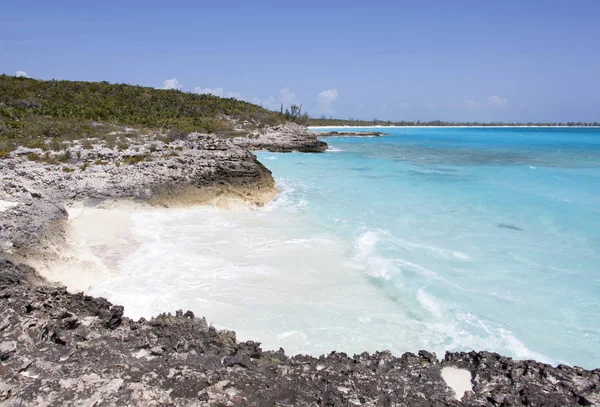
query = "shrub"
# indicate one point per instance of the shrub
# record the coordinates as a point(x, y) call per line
point(49, 158)
point(64, 156)
point(34, 157)
point(110, 140)
point(123, 144)
point(56, 145)
point(67, 110)
point(134, 159)
point(175, 135)
point(36, 143)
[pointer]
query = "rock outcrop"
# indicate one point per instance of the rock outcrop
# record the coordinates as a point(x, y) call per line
point(284, 139)
point(195, 170)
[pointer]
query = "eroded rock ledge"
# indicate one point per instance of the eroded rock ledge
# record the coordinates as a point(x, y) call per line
point(63, 349)
point(192, 169)
point(284, 139)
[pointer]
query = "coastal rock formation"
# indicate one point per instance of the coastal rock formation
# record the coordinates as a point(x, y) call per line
point(64, 349)
point(284, 139)
point(198, 169)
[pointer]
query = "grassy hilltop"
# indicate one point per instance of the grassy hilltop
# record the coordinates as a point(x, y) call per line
point(36, 113)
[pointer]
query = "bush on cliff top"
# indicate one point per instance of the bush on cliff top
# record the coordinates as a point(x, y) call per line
point(33, 111)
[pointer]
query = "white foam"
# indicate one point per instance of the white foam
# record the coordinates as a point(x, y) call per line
point(429, 303)
point(519, 349)
point(461, 256)
point(334, 149)
point(375, 265)
point(290, 198)
point(287, 334)
point(437, 251)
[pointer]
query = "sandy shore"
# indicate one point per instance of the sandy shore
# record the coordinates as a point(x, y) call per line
point(458, 380)
point(97, 240)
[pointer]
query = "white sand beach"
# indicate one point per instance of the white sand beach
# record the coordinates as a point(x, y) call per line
point(98, 239)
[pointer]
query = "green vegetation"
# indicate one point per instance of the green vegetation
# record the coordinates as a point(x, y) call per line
point(134, 159)
point(331, 122)
point(45, 114)
point(294, 114)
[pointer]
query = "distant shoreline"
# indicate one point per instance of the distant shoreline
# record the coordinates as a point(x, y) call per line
point(443, 127)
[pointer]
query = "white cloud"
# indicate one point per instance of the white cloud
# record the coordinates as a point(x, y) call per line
point(471, 104)
point(286, 97)
point(268, 103)
point(497, 101)
point(21, 74)
point(172, 84)
point(209, 91)
point(236, 95)
point(404, 105)
point(326, 99)
point(427, 105)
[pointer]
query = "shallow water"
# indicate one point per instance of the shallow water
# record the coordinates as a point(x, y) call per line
point(438, 239)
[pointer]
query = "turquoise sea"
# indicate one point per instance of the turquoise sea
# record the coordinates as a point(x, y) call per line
point(427, 238)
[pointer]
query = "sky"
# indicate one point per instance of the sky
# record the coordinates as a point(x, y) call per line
point(457, 60)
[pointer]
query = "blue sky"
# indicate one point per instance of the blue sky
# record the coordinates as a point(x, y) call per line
point(431, 59)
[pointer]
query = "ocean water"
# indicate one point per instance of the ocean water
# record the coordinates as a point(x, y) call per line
point(429, 238)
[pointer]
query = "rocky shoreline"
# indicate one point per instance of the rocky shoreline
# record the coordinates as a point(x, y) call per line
point(61, 349)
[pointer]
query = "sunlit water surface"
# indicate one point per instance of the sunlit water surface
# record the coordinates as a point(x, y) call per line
point(437, 239)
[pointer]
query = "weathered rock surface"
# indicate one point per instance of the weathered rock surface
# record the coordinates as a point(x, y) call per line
point(194, 170)
point(63, 349)
point(284, 139)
